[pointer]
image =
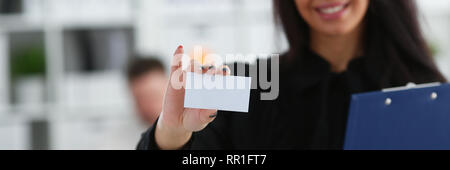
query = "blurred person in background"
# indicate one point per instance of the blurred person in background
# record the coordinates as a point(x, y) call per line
point(147, 81)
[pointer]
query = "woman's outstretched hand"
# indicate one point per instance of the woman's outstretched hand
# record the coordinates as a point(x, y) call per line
point(176, 123)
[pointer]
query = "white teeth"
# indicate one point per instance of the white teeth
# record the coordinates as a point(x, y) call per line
point(332, 9)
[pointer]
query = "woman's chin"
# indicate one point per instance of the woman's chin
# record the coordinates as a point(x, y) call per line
point(335, 31)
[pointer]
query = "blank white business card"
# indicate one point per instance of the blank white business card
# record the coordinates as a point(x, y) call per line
point(227, 93)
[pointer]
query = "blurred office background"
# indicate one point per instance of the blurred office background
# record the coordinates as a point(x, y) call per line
point(62, 84)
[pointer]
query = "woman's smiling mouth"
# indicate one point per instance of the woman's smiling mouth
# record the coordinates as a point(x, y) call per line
point(332, 11)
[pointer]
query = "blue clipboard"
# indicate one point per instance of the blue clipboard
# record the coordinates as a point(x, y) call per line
point(415, 118)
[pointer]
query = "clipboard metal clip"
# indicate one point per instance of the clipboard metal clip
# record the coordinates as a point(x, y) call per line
point(409, 86)
point(412, 86)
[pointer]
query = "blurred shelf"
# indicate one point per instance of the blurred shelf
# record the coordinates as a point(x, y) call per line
point(434, 8)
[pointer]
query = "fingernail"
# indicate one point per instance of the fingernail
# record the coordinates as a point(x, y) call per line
point(225, 70)
point(180, 46)
point(211, 67)
point(213, 116)
point(203, 67)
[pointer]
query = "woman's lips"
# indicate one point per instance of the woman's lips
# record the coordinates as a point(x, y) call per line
point(332, 11)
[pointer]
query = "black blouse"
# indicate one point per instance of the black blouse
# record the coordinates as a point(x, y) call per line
point(310, 112)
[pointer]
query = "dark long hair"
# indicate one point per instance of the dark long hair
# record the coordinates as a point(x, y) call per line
point(394, 44)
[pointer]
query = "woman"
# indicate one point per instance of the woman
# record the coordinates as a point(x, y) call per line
point(337, 48)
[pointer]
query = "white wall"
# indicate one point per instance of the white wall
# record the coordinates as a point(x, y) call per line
point(436, 26)
point(4, 72)
point(223, 26)
point(14, 133)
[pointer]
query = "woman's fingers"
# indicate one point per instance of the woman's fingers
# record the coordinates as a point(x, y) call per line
point(195, 67)
point(177, 59)
point(209, 69)
point(175, 86)
point(223, 70)
point(197, 119)
point(208, 115)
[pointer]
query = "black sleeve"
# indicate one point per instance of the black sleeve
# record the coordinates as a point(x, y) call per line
point(148, 141)
point(214, 136)
point(144, 143)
